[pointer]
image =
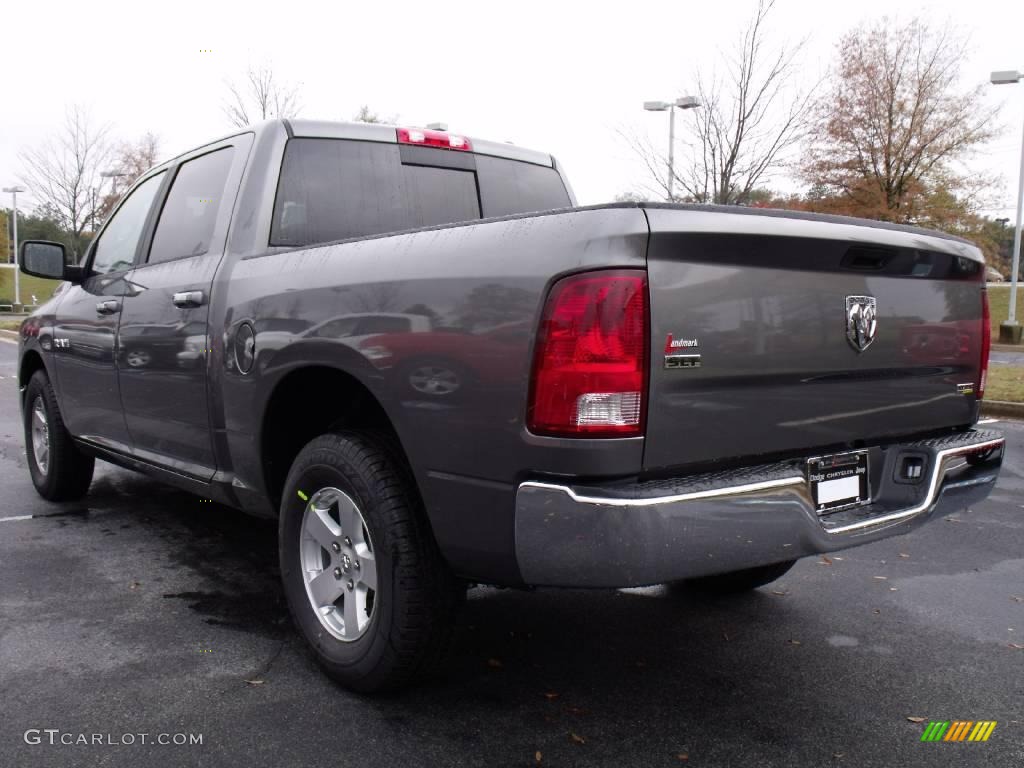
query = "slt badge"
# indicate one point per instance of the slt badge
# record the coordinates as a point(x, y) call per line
point(861, 321)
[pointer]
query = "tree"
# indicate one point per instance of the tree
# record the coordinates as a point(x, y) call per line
point(750, 119)
point(6, 245)
point(894, 127)
point(63, 173)
point(367, 115)
point(130, 161)
point(260, 96)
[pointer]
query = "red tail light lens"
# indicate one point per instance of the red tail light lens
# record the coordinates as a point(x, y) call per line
point(986, 343)
point(425, 137)
point(590, 367)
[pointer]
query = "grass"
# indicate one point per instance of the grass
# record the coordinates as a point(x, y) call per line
point(999, 306)
point(10, 325)
point(1005, 382)
point(42, 289)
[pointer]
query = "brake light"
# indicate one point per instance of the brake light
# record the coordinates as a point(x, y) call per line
point(425, 137)
point(590, 365)
point(986, 343)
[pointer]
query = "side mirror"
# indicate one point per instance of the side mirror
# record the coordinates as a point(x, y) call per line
point(41, 258)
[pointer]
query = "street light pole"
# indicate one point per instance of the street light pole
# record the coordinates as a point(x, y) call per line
point(14, 213)
point(1015, 261)
point(1010, 331)
point(683, 102)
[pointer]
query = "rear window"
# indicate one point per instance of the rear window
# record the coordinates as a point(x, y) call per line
point(333, 189)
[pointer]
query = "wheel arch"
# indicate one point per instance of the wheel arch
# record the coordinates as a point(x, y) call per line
point(309, 401)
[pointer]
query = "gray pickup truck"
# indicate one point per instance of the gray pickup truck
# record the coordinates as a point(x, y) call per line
point(414, 350)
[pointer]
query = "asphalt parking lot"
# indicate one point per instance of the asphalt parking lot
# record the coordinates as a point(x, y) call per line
point(143, 610)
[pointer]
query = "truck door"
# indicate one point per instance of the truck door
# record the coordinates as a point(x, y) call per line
point(85, 328)
point(164, 340)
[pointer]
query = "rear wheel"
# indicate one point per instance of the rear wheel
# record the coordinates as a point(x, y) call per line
point(364, 579)
point(741, 581)
point(60, 472)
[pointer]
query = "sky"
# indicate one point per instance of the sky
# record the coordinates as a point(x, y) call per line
point(563, 77)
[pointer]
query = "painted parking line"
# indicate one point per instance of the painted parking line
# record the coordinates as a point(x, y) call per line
point(16, 517)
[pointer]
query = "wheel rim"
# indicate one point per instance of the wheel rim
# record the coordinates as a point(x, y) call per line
point(40, 436)
point(338, 565)
point(434, 380)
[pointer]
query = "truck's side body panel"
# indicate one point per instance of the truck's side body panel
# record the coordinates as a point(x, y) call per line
point(458, 304)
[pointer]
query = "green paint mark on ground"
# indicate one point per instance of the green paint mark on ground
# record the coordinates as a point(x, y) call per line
point(303, 496)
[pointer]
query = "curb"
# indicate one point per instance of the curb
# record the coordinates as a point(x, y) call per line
point(1007, 347)
point(1002, 408)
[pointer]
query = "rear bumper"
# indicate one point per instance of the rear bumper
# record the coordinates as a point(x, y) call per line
point(633, 534)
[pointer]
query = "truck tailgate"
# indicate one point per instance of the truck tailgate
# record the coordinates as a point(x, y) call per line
point(762, 340)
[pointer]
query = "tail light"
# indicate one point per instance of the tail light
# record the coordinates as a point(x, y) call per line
point(986, 343)
point(425, 137)
point(590, 366)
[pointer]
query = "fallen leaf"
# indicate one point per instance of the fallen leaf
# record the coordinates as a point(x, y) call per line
point(915, 719)
point(838, 755)
point(894, 589)
point(551, 695)
point(1016, 646)
point(725, 635)
point(537, 756)
point(876, 610)
point(134, 585)
point(839, 559)
point(257, 681)
point(1017, 599)
point(494, 663)
point(904, 555)
point(576, 738)
point(779, 592)
point(880, 578)
point(682, 757)
point(794, 642)
point(825, 561)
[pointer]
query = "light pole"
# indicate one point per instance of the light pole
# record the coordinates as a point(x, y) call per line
point(683, 102)
point(14, 212)
point(1010, 330)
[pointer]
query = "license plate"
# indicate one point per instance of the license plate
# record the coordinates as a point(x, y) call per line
point(838, 481)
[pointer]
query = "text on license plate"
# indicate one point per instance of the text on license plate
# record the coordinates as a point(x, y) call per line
point(838, 481)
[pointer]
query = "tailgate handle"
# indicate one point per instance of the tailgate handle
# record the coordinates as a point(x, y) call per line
point(187, 299)
point(867, 259)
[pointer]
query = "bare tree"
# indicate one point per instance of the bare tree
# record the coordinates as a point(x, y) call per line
point(129, 162)
point(751, 117)
point(367, 115)
point(895, 124)
point(260, 96)
point(63, 172)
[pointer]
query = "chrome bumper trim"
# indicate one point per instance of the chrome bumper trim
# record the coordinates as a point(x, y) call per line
point(639, 534)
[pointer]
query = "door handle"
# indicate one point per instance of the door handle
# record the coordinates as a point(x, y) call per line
point(187, 299)
point(108, 307)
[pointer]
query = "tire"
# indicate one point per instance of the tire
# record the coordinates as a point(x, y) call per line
point(60, 472)
point(740, 581)
point(379, 633)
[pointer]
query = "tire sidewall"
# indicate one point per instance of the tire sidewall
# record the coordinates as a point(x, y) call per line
point(358, 658)
point(37, 388)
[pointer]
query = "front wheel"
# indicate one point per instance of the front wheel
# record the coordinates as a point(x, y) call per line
point(60, 472)
point(741, 581)
point(365, 582)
